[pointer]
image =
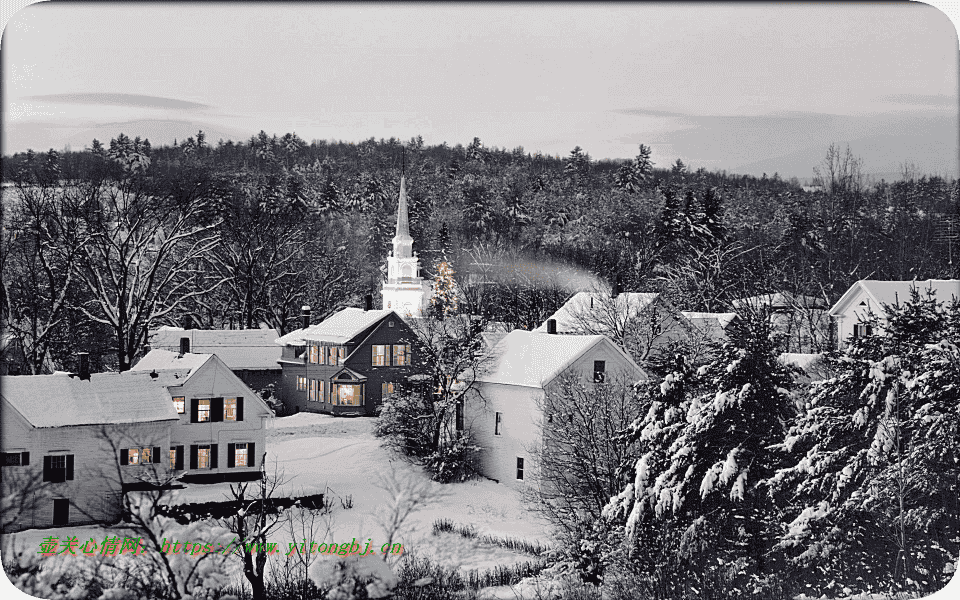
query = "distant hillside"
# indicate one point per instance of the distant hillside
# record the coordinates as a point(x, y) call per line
point(18, 137)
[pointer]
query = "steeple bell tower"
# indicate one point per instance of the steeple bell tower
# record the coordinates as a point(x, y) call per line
point(404, 291)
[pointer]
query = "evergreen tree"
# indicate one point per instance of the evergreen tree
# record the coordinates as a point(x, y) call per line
point(705, 445)
point(872, 484)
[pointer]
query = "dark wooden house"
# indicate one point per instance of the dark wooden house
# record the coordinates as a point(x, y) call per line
point(347, 364)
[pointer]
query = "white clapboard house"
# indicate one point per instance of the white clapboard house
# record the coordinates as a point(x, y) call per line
point(852, 312)
point(60, 435)
point(524, 365)
point(220, 429)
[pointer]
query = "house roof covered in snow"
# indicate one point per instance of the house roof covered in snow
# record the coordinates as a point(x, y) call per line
point(580, 309)
point(253, 349)
point(105, 398)
point(714, 325)
point(338, 328)
point(534, 359)
point(780, 301)
point(173, 365)
point(892, 292)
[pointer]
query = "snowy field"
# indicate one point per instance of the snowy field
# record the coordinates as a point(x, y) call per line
point(341, 458)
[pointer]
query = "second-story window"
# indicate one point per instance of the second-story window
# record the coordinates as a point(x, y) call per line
point(314, 354)
point(599, 371)
point(179, 402)
point(229, 409)
point(203, 410)
point(380, 356)
point(301, 383)
point(401, 355)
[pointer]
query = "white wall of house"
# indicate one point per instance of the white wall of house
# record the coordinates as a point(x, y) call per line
point(214, 380)
point(521, 415)
point(93, 493)
point(854, 312)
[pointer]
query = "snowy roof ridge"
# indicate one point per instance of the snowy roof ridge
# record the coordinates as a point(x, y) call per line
point(533, 359)
point(238, 348)
point(579, 306)
point(167, 360)
point(105, 398)
point(890, 292)
point(338, 328)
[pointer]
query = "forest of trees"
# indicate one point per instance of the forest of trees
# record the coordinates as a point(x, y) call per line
point(102, 245)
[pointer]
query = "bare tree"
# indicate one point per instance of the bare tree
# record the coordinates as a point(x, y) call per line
point(580, 449)
point(141, 261)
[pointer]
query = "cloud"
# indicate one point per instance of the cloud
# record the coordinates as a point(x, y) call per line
point(922, 99)
point(113, 99)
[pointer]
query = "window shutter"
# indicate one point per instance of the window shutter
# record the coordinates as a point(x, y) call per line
point(194, 456)
point(214, 456)
point(251, 454)
point(47, 466)
point(25, 459)
point(69, 466)
point(178, 461)
point(194, 403)
point(239, 408)
point(156, 455)
point(216, 409)
point(231, 459)
point(124, 454)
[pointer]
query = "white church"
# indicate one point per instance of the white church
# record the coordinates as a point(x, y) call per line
point(405, 291)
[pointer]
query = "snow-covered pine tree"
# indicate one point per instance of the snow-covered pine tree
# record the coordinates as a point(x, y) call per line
point(705, 456)
point(872, 489)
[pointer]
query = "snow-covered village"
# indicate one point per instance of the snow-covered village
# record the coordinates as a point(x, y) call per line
point(541, 345)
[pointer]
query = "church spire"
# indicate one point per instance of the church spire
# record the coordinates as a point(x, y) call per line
point(403, 220)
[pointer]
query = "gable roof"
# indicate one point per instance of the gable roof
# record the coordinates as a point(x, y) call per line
point(891, 292)
point(172, 367)
point(780, 300)
point(106, 398)
point(338, 328)
point(713, 325)
point(533, 359)
point(569, 317)
point(239, 348)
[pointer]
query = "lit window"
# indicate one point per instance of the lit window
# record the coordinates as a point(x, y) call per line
point(342, 352)
point(180, 404)
point(240, 455)
point(333, 355)
point(386, 389)
point(519, 468)
point(145, 457)
point(203, 410)
point(390, 324)
point(203, 457)
point(313, 390)
point(349, 395)
point(401, 355)
point(321, 397)
point(173, 458)
point(133, 456)
point(301, 383)
point(379, 356)
point(498, 424)
point(862, 330)
point(230, 409)
point(314, 354)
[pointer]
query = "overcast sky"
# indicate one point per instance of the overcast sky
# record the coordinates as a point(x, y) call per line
point(698, 81)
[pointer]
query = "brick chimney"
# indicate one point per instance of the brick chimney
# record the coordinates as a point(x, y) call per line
point(184, 346)
point(84, 365)
point(368, 302)
point(305, 317)
point(552, 326)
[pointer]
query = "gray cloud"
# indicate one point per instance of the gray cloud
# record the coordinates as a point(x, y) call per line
point(114, 99)
point(922, 99)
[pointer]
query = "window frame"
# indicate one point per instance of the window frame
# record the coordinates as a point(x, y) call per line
point(180, 403)
point(201, 412)
point(226, 409)
point(301, 383)
point(498, 423)
point(520, 468)
point(400, 355)
point(200, 456)
point(380, 355)
point(599, 371)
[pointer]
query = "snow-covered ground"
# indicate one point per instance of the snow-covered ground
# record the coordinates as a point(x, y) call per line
point(341, 458)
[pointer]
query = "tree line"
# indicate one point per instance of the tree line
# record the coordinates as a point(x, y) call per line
point(103, 244)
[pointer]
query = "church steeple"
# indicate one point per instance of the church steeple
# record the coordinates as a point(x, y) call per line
point(402, 242)
point(404, 290)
